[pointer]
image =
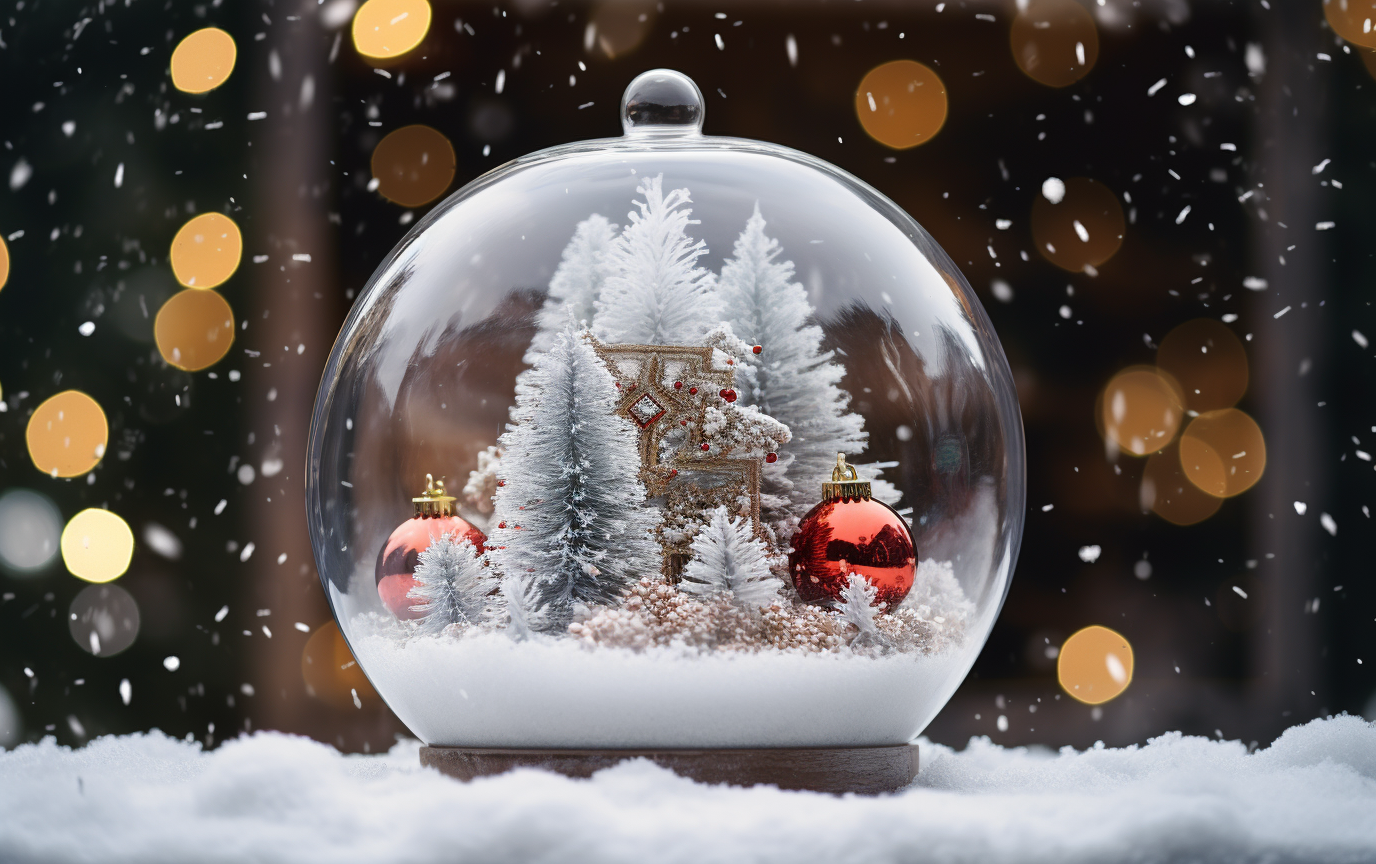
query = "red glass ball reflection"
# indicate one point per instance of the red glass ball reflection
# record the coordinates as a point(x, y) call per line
point(396, 563)
point(853, 535)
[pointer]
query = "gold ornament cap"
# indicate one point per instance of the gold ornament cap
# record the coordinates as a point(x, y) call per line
point(433, 501)
point(845, 483)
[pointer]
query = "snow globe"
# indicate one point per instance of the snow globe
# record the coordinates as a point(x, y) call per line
point(712, 456)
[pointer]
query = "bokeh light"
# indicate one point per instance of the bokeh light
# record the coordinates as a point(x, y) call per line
point(901, 104)
point(4, 263)
point(194, 329)
point(1168, 493)
point(1223, 452)
point(384, 29)
point(413, 165)
point(30, 528)
point(1208, 362)
point(1081, 230)
point(103, 619)
point(331, 673)
point(67, 434)
point(206, 251)
point(1095, 665)
point(617, 27)
point(1354, 20)
point(203, 60)
point(1141, 409)
point(97, 545)
point(1055, 42)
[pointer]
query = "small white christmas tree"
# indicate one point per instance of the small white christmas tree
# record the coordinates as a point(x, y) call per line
point(858, 608)
point(521, 601)
point(577, 282)
point(655, 292)
point(452, 584)
point(792, 379)
point(728, 557)
point(571, 514)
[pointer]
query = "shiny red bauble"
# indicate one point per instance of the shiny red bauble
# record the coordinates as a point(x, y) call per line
point(396, 563)
point(853, 535)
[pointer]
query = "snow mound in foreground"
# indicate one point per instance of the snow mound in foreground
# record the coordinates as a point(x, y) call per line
point(1310, 796)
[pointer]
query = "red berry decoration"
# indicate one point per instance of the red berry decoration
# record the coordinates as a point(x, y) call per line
point(850, 532)
point(396, 562)
point(501, 524)
point(678, 385)
point(683, 422)
point(757, 349)
point(706, 447)
point(693, 390)
point(673, 472)
point(771, 458)
point(728, 395)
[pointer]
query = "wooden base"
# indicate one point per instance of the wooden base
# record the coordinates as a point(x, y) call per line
point(864, 770)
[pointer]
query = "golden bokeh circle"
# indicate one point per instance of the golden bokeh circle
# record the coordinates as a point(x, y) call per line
point(1353, 20)
point(97, 545)
point(901, 104)
point(413, 165)
point(384, 29)
point(619, 26)
point(1141, 410)
point(1223, 452)
point(1055, 42)
point(67, 434)
point(1168, 493)
point(1084, 228)
point(206, 251)
point(1208, 362)
point(330, 672)
point(4, 263)
point(194, 329)
point(203, 60)
point(1095, 665)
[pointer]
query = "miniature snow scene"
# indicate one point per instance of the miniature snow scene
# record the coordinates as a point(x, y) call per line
point(681, 533)
point(645, 430)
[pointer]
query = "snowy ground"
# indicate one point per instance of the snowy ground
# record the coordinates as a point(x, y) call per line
point(1309, 797)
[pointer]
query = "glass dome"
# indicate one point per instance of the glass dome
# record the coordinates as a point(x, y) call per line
point(722, 452)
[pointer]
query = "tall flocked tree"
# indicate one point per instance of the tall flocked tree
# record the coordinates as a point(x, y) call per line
point(577, 282)
point(728, 557)
point(570, 512)
point(655, 292)
point(792, 380)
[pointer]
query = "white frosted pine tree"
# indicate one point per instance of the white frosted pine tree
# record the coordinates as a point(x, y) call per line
point(452, 584)
point(577, 282)
point(570, 515)
point(728, 557)
point(655, 292)
point(792, 379)
point(858, 609)
point(525, 615)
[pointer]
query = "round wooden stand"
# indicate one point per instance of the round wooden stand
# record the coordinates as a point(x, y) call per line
point(864, 770)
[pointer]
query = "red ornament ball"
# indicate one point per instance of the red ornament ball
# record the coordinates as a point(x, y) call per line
point(771, 458)
point(853, 535)
point(757, 349)
point(728, 395)
point(678, 385)
point(396, 563)
point(706, 447)
point(693, 390)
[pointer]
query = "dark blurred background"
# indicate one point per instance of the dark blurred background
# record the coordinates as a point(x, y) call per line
point(104, 160)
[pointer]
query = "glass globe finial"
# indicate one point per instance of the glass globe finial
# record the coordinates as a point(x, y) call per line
point(662, 102)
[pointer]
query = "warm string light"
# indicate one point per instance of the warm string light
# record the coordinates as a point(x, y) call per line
point(194, 329)
point(1353, 20)
point(1095, 665)
point(901, 104)
point(1223, 452)
point(203, 60)
point(206, 251)
point(1140, 410)
point(4, 263)
point(413, 165)
point(97, 545)
point(384, 29)
point(1168, 492)
point(330, 672)
point(1208, 361)
point(1054, 42)
point(67, 434)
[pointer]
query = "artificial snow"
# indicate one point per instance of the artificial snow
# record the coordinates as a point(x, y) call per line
point(1310, 796)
